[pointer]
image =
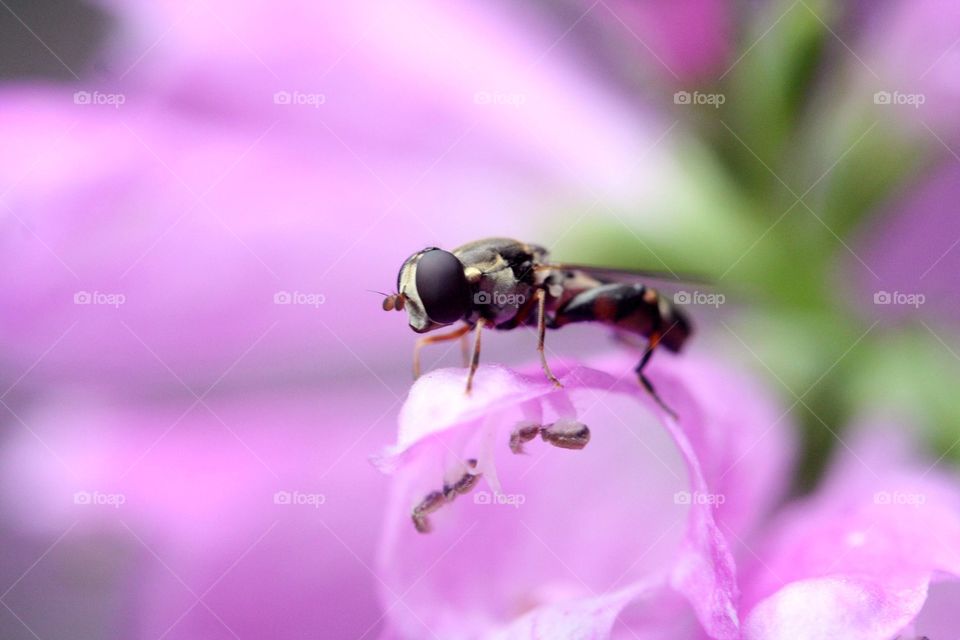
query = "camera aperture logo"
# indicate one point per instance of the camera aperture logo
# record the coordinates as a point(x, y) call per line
point(514, 500)
point(700, 298)
point(699, 98)
point(698, 497)
point(99, 499)
point(899, 298)
point(99, 98)
point(499, 299)
point(299, 99)
point(299, 298)
point(299, 498)
point(99, 298)
point(898, 98)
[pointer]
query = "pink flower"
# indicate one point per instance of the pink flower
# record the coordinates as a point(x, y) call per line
point(201, 200)
point(566, 540)
point(861, 556)
point(260, 155)
point(654, 526)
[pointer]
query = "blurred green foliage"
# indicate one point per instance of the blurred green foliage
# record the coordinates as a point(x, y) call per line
point(797, 124)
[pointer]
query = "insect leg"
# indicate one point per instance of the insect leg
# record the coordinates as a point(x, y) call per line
point(424, 341)
point(475, 360)
point(541, 331)
point(644, 380)
point(634, 308)
point(465, 350)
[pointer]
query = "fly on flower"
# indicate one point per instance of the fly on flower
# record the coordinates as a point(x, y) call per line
point(503, 284)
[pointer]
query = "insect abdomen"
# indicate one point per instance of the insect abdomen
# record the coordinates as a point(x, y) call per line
point(631, 307)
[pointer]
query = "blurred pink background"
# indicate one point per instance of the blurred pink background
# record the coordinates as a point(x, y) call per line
point(195, 202)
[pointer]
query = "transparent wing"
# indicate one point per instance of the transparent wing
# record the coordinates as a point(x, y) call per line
point(609, 274)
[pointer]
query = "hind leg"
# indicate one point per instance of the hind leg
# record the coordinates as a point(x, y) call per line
point(644, 380)
point(630, 307)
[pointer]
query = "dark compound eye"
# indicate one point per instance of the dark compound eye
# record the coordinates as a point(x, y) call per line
point(442, 287)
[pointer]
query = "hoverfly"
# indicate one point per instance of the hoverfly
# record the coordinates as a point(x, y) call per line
point(503, 284)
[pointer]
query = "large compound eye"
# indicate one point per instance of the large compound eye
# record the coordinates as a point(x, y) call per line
point(442, 287)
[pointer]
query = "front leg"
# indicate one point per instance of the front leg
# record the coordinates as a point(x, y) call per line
point(424, 341)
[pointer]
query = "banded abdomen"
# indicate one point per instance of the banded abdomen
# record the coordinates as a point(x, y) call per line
point(631, 307)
